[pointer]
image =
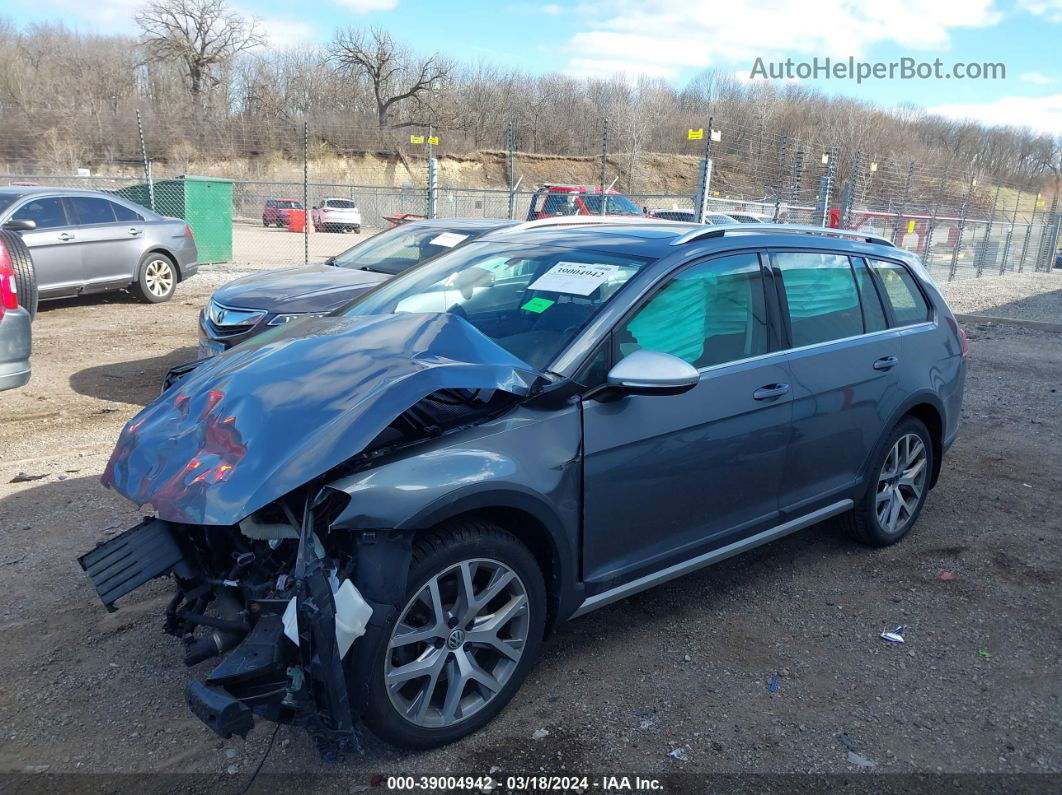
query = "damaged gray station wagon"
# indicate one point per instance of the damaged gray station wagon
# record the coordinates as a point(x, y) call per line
point(376, 515)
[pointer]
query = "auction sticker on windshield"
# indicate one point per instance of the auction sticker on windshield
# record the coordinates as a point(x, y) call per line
point(573, 278)
point(447, 239)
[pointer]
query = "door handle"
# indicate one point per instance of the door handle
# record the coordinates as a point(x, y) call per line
point(886, 363)
point(770, 392)
point(134, 231)
point(65, 236)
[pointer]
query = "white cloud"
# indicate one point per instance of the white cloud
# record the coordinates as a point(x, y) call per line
point(284, 33)
point(552, 9)
point(365, 6)
point(1036, 78)
point(1050, 9)
point(666, 36)
point(1042, 114)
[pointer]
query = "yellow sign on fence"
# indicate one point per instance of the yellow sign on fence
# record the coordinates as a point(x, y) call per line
point(416, 139)
point(695, 135)
point(910, 226)
point(434, 140)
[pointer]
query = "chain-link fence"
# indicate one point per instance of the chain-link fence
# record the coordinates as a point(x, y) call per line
point(271, 204)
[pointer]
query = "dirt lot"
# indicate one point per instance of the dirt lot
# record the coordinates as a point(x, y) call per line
point(685, 668)
point(257, 245)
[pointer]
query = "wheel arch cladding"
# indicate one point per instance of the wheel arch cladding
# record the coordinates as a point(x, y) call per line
point(530, 529)
point(924, 406)
point(931, 417)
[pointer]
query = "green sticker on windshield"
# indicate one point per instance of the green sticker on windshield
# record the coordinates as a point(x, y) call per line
point(537, 305)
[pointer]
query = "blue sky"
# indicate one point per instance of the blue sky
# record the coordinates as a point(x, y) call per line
point(674, 40)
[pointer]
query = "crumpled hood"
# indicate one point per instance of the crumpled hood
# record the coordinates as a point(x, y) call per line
point(311, 288)
point(264, 418)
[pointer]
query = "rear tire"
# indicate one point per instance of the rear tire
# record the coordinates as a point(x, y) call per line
point(25, 273)
point(476, 674)
point(357, 229)
point(156, 278)
point(898, 487)
point(265, 223)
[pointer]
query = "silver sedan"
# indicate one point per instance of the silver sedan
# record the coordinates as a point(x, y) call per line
point(90, 241)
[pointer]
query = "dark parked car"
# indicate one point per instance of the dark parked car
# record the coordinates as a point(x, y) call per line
point(530, 427)
point(18, 302)
point(90, 242)
point(276, 211)
point(251, 304)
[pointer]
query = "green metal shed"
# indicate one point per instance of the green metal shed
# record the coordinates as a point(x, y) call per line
point(204, 202)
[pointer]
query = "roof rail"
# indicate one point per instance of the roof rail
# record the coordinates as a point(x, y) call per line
point(587, 220)
point(703, 232)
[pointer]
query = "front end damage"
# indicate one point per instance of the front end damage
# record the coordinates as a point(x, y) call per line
point(236, 458)
point(277, 606)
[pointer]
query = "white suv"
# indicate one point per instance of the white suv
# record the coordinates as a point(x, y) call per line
point(337, 215)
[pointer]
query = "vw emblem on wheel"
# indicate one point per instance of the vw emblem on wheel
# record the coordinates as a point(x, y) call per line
point(456, 639)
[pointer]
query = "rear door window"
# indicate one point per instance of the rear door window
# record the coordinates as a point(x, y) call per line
point(822, 298)
point(89, 210)
point(908, 304)
point(47, 213)
point(873, 313)
point(123, 213)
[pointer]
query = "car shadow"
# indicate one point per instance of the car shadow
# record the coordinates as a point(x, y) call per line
point(138, 381)
point(90, 299)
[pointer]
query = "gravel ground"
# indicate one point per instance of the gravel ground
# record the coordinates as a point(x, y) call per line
point(673, 683)
point(254, 246)
point(1023, 296)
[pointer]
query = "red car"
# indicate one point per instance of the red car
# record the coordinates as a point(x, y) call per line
point(275, 212)
point(551, 200)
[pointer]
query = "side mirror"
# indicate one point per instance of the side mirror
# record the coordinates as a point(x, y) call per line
point(21, 225)
point(652, 373)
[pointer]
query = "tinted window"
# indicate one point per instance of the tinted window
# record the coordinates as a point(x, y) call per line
point(90, 210)
point(821, 292)
point(341, 204)
point(873, 314)
point(908, 305)
point(46, 213)
point(123, 213)
point(712, 313)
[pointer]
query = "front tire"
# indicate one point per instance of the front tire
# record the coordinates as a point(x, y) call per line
point(156, 278)
point(898, 487)
point(464, 640)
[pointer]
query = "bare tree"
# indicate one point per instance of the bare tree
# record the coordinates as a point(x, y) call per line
point(201, 35)
point(397, 79)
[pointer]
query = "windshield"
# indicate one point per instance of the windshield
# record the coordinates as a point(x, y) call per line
point(530, 301)
point(615, 204)
point(288, 204)
point(340, 204)
point(398, 249)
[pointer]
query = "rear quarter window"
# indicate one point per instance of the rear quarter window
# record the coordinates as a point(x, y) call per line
point(908, 304)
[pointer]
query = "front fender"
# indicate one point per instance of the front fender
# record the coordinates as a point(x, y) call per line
point(528, 462)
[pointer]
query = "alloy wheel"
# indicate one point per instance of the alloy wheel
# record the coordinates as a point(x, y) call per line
point(457, 642)
point(901, 483)
point(158, 276)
